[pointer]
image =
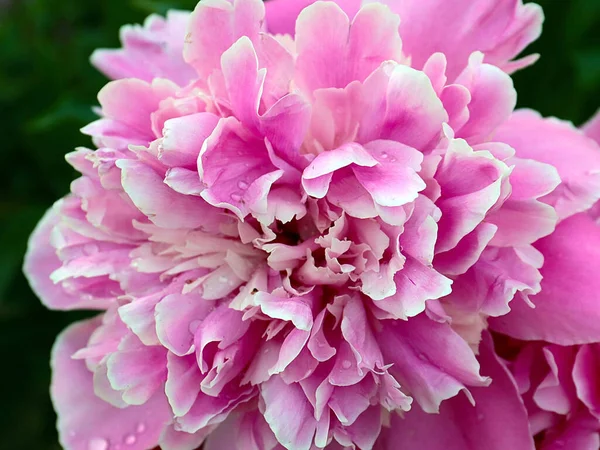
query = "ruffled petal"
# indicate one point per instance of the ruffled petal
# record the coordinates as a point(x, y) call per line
point(84, 420)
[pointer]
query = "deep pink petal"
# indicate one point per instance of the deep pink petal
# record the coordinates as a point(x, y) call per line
point(461, 425)
point(566, 310)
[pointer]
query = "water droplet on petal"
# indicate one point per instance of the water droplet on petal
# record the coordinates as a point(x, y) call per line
point(346, 364)
point(236, 197)
point(223, 280)
point(130, 439)
point(243, 185)
point(98, 444)
point(142, 426)
point(384, 155)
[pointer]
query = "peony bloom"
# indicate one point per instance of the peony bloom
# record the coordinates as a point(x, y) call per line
point(304, 240)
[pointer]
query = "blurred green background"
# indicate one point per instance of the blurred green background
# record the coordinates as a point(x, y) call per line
point(47, 88)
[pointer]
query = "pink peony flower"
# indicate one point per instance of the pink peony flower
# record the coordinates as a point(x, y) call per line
point(304, 240)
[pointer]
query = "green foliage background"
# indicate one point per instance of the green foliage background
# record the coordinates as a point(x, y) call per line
point(46, 90)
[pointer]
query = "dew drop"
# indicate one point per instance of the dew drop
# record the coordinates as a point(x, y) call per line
point(384, 155)
point(243, 185)
point(236, 197)
point(223, 279)
point(142, 426)
point(346, 364)
point(130, 439)
point(98, 444)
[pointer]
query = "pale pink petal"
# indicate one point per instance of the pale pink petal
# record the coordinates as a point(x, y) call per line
point(41, 261)
point(183, 138)
point(163, 206)
point(294, 426)
point(500, 29)
point(127, 106)
point(214, 26)
point(592, 128)
point(153, 50)
point(493, 99)
point(85, 421)
point(242, 431)
point(183, 382)
point(136, 370)
point(177, 318)
point(334, 51)
point(230, 162)
point(401, 105)
point(282, 14)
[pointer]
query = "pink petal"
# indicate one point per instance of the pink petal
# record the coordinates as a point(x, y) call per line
point(214, 26)
point(575, 156)
point(294, 426)
point(415, 284)
point(183, 138)
point(333, 52)
point(183, 382)
point(493, 99)
point(86, 421)
point(41, 260)
point(585, 374)
point(230, 162)
point(566, 310)
point(127, 106)
point(401, 105)
point(136, 370)
point(242, 431)
point(163, 206)
point(523, 219)
point(177, 316)
point(282, 14)
point(592, 128)
point(461, 425)
point(499, 28)
point(152, 51)
point(431, 361)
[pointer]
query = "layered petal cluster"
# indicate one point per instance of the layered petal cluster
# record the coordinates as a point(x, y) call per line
point(303, 240)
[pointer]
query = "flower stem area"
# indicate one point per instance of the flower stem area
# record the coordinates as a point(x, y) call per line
point(47, 89)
